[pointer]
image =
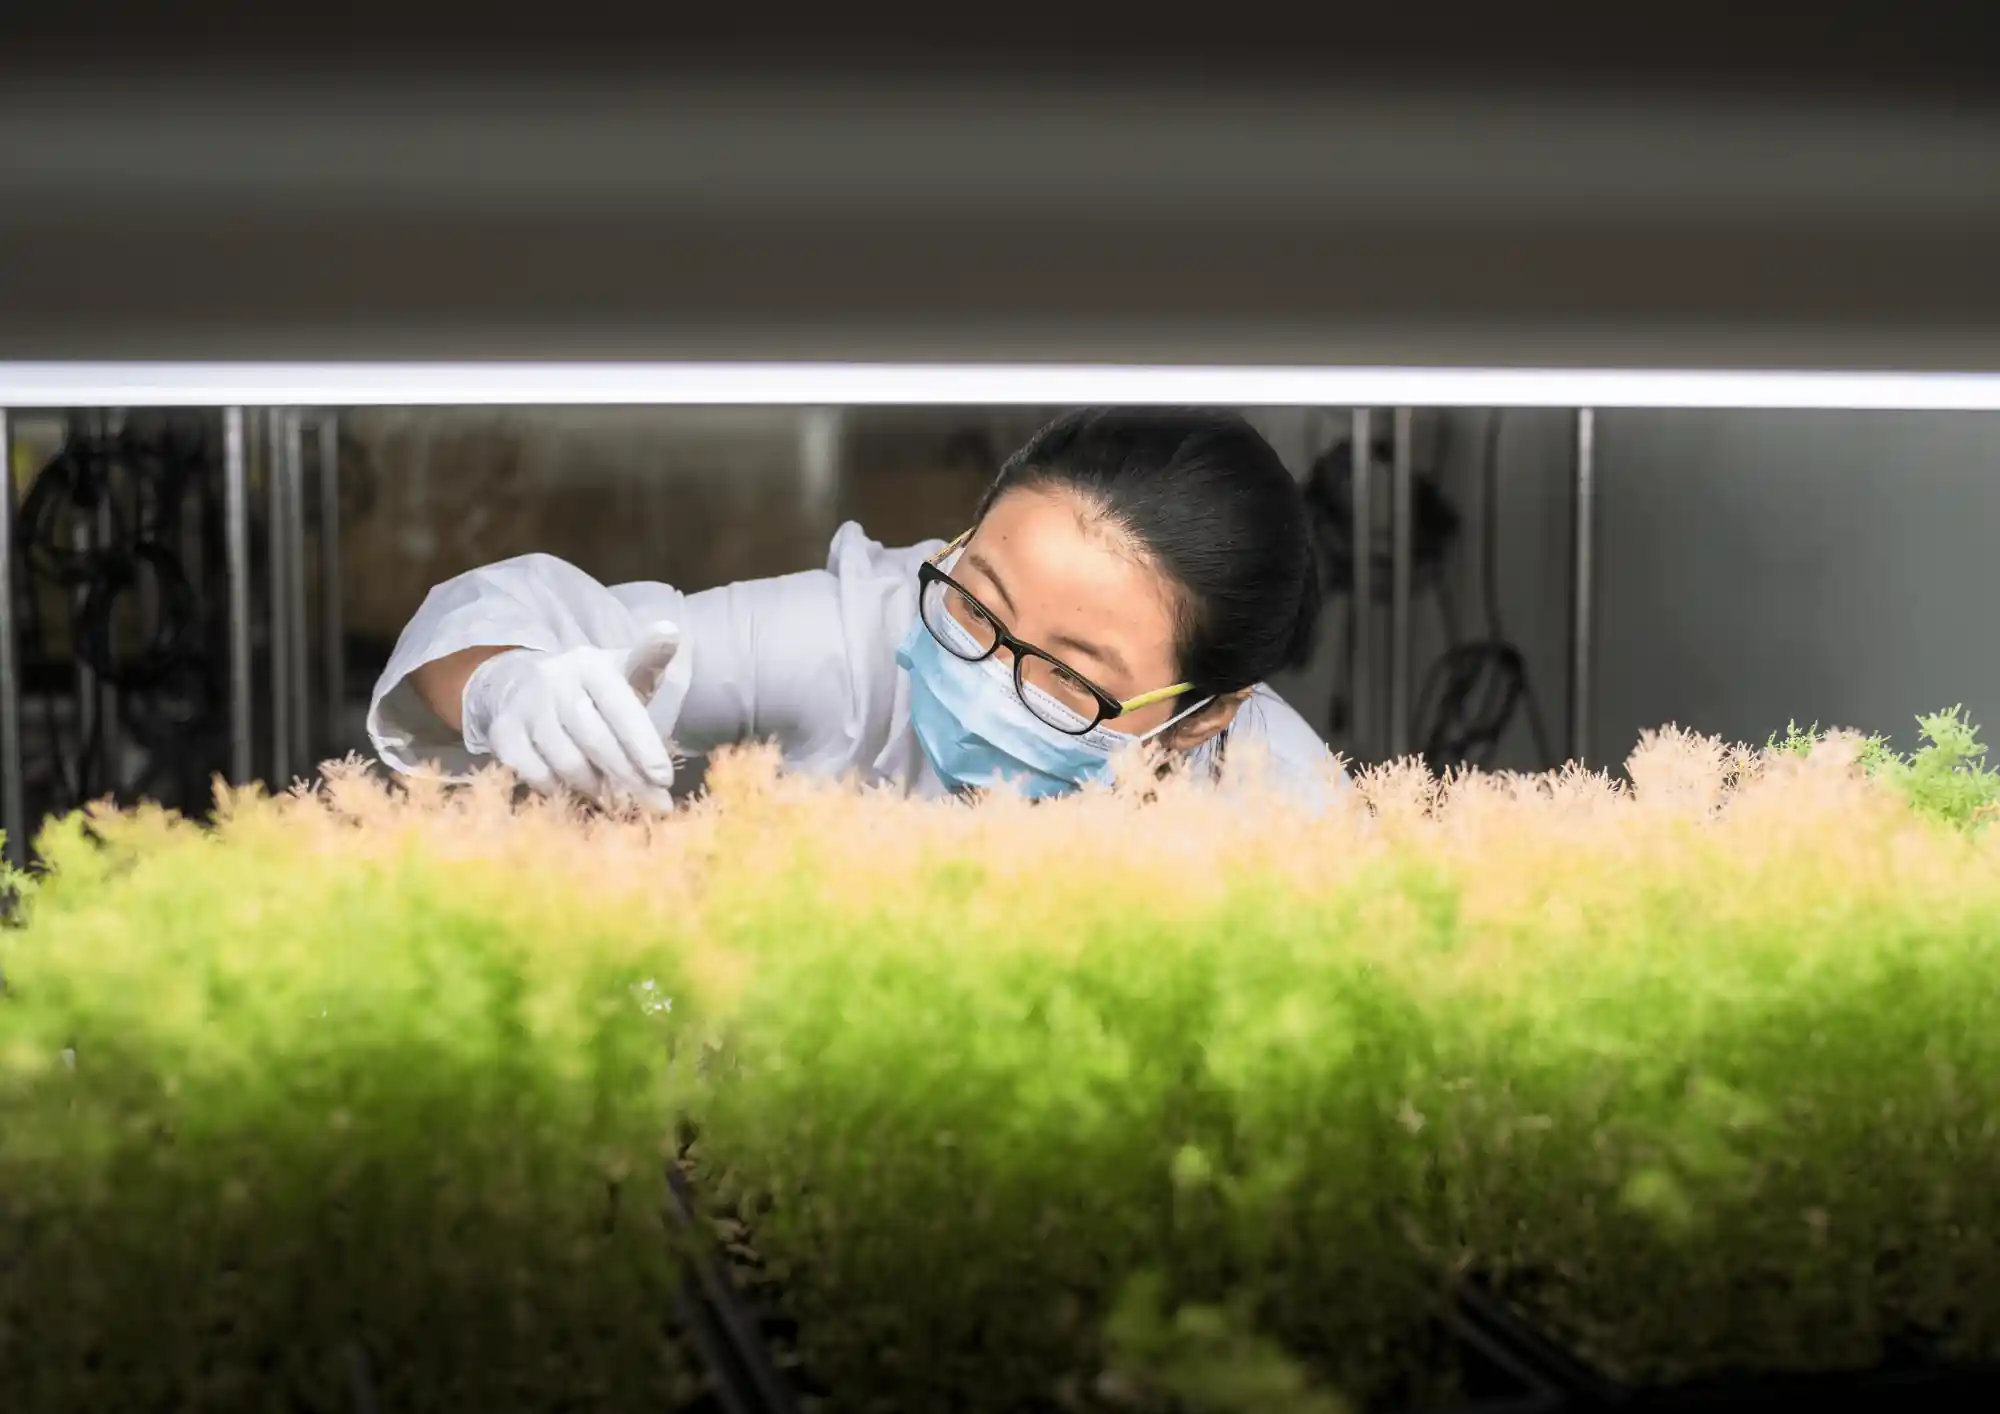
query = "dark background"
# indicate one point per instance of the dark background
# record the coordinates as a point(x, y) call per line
point(1690, 185)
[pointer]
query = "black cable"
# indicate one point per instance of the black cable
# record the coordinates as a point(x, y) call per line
point(1468, 698)
point(1473, 690)
point(1489, 567)
point(1329, 502)
point(117, 578)
point(33, 650)
point(102, 525)
point(1329, 499)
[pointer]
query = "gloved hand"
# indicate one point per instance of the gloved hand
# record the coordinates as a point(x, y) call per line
point(577, 719)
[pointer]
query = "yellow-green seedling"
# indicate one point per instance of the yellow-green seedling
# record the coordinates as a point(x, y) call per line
point(352, 1092)
point(1691, 1065)
point(1156, 1094)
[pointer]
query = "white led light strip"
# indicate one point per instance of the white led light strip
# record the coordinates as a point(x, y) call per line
point(65, 385)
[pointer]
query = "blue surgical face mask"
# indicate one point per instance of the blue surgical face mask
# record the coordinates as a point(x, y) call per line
point(977, 734)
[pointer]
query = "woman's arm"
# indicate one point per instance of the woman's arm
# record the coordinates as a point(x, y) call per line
point(441, 682)
point(534, 602)
point(767, 659)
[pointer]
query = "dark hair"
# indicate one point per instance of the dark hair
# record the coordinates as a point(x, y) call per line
point(1212, 505)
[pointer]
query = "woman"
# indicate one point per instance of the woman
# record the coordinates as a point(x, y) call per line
point(1128, 577)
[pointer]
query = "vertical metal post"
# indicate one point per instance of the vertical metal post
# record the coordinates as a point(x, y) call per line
point(333, 630)
point(277, 618)
point(13, 806)
point(1583, 551)
point(111, 742)
point(87, 696)
point(236, 510)
point(297, 629)
point(1361, 646)
point(1402, 541)
point(819, 461)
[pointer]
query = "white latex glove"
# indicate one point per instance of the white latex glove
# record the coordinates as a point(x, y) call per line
point(577, 719)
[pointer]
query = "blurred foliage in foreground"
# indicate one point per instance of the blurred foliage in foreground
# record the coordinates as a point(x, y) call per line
point(1156, 1093)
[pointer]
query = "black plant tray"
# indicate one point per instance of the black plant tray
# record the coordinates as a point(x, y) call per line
point(727, 1335)
point(1908, 1382)
point(733, 1340)
point(1496, 1378)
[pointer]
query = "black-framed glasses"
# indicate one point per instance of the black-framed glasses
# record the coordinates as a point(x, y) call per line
point(1054, 692)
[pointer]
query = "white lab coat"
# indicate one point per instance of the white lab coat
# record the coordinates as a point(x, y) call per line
point(807, 661)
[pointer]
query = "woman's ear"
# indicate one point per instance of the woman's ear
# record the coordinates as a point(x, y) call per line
point(1208, 723)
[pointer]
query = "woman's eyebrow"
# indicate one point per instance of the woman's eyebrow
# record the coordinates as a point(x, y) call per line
point(985, 567)
point(1107, 656)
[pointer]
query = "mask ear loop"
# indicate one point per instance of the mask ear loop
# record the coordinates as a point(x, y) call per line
point(1166, 766)
point(1173, 721)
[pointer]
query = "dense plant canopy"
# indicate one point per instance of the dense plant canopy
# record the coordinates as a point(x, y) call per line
point(1157, 1091)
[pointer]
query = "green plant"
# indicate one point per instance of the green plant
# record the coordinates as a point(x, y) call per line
point(320, 1099)
point(1155, 1094)
point(1208, 1359)
point(1946, 778)
point(1586, 1041)
point(17, 886)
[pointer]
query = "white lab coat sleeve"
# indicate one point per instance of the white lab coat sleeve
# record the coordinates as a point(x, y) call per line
point(534, 601)
point(803, 660)
point(807, 661)
point(774, 666)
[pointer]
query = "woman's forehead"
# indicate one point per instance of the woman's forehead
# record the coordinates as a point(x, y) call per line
point(1059, 573)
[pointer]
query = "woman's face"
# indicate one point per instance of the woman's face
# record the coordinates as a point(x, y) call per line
point(1057, 576)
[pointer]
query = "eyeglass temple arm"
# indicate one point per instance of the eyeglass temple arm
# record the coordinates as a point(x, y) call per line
point(1147, 699)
